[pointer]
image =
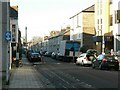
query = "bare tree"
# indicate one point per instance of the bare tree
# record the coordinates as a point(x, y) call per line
point(36, 39)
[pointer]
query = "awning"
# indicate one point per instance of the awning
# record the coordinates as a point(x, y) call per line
point(99, 38)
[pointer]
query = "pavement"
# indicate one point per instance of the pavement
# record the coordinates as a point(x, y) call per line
point(24, 77)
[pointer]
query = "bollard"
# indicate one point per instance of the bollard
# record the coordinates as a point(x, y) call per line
point(17, 59)
point(17, 63)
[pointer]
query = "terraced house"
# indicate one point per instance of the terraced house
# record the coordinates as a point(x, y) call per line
point(107, 25)
point(82, 27)
point(14, 30)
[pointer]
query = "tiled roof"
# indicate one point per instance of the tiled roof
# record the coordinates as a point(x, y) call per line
point(60, 34)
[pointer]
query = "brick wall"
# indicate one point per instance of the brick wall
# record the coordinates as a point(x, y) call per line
point(88, 23)
point(88, 29)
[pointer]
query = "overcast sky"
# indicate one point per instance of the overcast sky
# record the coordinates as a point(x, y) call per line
point(42, 16)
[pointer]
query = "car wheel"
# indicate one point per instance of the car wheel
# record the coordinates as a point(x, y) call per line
point(93, 65)
point(116, 69)
point(100, 67)
point(82, 63)
point(77, 64)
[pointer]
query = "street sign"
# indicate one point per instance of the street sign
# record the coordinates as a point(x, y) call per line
point(8, 35)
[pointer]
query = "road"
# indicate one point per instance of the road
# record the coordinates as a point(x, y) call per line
point(58, 74)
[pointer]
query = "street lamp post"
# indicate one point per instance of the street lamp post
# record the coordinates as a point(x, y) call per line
point(103, 41)
point(26, 36)
point(103, 44)
point(26, 39)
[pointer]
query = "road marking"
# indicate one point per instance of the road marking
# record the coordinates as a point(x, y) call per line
point(58, 63)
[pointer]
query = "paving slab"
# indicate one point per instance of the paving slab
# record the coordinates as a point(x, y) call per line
point(24, 76)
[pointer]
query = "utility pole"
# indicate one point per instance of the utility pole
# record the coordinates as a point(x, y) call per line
point(8, 36)
point(26, 37)
point(103, 41)
point(103, 44)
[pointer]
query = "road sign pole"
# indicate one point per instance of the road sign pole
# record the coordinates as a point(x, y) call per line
point(7, 62)
point(8, 39)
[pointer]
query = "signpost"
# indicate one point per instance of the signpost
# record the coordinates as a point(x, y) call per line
point(8, 37)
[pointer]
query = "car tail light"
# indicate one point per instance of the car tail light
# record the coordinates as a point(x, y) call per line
point(86, 58)
point(32, 57)
point(117, 61)
point(104, 60)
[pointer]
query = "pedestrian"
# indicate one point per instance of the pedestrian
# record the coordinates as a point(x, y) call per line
point(112, 52)
point(42, 58)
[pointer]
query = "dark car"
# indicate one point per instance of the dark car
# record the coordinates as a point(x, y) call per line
point(106, 62)
point(35, 57)
point(29, 53)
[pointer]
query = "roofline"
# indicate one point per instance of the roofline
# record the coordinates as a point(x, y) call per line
point(83, 11)
point(58, 34)
point(89, 7)
point(15, 7)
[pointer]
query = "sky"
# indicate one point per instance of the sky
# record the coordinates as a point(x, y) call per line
point(42, 16)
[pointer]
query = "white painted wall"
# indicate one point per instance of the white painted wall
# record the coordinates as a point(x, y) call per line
point(14, 21)
point(116, 27)
point(76, 25)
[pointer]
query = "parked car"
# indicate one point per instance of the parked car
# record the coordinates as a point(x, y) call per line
point(58, 56)
point(53, 55)
point(29, 53)
point(83, 59)
point(48, 54)
point(106, 62)
point(35, 57)
point(42, 53)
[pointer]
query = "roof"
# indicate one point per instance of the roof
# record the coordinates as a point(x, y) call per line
point(89, 9)
point(14, 11)
point(15, 7)
point(60, 34)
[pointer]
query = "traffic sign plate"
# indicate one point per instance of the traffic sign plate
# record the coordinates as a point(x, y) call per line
point(8, 35)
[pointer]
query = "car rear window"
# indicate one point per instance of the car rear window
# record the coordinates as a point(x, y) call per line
point(35, 54)
point(82, 55)
point(100, 57)
point(110, 57)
